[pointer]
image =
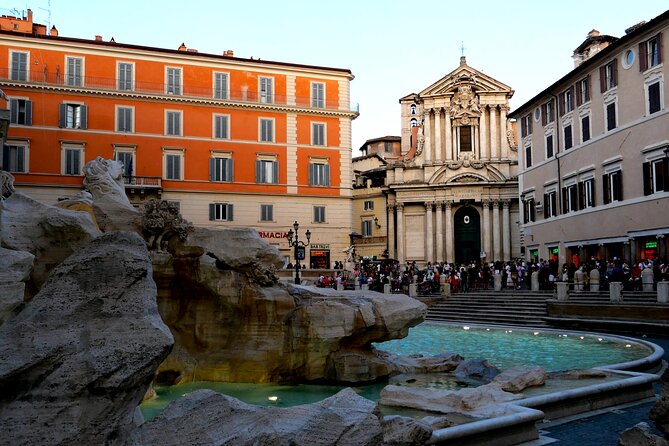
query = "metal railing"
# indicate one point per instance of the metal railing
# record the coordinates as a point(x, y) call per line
point(146, 182)
point(58, 79)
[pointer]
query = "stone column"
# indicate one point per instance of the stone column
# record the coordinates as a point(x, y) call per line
point(429, 233)
point(483, 133)
point(487, 234)
point(449, 231)
point(427, 129)
point(506, 232)
point(663, 292)
point(391, 231)
point(400, 233)
point(437, 134)
point(504, 145)
point(440, 231)
point(495, 231)
point(494, 140)
point(448, 134)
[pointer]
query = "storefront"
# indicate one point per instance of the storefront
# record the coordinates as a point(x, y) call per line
point(319, 256)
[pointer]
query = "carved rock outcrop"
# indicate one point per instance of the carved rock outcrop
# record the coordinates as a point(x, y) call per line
point(77, 360)
point(15, 268)
point(660, 411)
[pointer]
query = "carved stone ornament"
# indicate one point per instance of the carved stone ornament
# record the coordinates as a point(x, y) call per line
point(510, 139)
point(6, 184)
point(465, 161)
point(104, 178)
point(465, 104)
point(163, 221)
point(467, 179)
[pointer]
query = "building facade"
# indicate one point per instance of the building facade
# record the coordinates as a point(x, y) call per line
point(453, 195)
point(234, 141)
point(594, 146)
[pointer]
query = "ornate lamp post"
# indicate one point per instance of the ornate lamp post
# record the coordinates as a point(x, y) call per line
point(299, 248)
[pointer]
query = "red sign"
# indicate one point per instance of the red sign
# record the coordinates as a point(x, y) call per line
point(273, 234)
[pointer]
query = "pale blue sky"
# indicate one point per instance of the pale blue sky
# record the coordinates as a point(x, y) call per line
point(392, 47)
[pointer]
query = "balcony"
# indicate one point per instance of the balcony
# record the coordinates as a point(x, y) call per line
point(142, 182)
point(57, 79)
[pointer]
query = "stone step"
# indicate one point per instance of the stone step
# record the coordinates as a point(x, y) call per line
point(492, 321)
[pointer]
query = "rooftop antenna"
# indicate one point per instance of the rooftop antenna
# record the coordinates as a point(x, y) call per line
point(48, 10)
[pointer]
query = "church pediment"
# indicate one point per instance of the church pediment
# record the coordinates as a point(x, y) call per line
point(461, 76)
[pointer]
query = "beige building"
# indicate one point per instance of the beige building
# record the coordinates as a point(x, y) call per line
point(594, 180)
point(453, 194)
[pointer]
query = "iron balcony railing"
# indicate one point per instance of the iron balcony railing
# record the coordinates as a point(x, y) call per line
point(56, 78)
point(143, 182)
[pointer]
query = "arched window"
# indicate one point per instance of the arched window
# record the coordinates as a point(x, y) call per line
point(414, 122)
point(413, 109)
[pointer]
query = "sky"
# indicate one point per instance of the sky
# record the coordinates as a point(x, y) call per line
point(393, 48)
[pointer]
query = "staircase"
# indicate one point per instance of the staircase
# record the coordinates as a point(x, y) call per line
point(508, 307)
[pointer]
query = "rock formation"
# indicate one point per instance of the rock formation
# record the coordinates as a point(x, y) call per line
point(641, 435)
point(15, 269)
point(660, 411)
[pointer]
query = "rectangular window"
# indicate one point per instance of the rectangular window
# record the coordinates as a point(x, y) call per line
point(368, 205)
point(126, 158)
point(529, 210)
point(526, 125)
point(611, 116)
point(267, 171)
point(220, 212)
point(124, 119)
point(550, 204)
point(173, 166)
point(318, 95)
point(583, 91)
point(654, 103)
point(570, 198)
point(549, 147)
point(568, 140)
point(319, 214)
point(367, 228)
point(266, 130)
point(266, 212)
point(173, 81)
point(466, 138)
point(221, 126)
point(569, 100)
point(585, 128)
point(20, 111)
point(317, 134)
point(74, 74)
point(586, 192)
point(319, 174)
point(650, 52)
point(266, 90)
point(528, 156)
point(547, 113)
point(73, 116)
point(608, 76)
point(221, 169)
point(72, 161)
point(14, 158)
point(19, 66)
point(221, 85)
point(656, 176)
point(125, 76)
point(173, 123)
point(613, 186)
point(388, 146)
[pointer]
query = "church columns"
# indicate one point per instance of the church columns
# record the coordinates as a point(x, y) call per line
point(494, 140)
point(448, 134)
point(449, 232)
point(429, 233)
point(495, 231)
point(437, 134)
point(504, 144)
point(400, 233)
point(440, 231)
point(487, 234)
point(483, 133)
point(506, 241)
point(427, 129)
point(391, 231)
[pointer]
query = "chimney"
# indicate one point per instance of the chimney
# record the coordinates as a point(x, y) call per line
point(98, 38)
point(182, 47)
point(54, 31)
point(30, 15)
point(593, 33)
point(228, 53)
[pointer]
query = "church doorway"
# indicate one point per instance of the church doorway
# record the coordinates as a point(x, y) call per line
point(467, 235)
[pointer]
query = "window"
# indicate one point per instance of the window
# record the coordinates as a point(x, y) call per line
point(266, 90)
point(19, 66)
point(412, 109)
point(414, 122)
point(124, 119)
point(73, 116)
point(388, 147)
point(650, 53)
point(547, 113)
point(528, 156)
point(549, 147)
point(586, 192)
point(654, 98)
point(367, 228)
point(220, 212)
point(318, 95)
point(608, 75)
point(127, 159)
point(570, 202)
point(568, 140)
point(585, 128)
point(529, 210)
point(465, 132)
point(656, 176)
point(319, 174)
point(566, 101)
point(267, 171)
point(526, 125)
point(72, 160)
point(14, 158)
point(550, 204)
point(613, 186)
point(221, 126)
point(319, 214)
point(611, 116)
point(173, 166)
point(125, 76)
point(221, 168)
point(266, 212)
point(221, 85)
point(368, 205)
point(266, 130)
point(317, 134)
point(583, 91)
point(20, 111)
point(173, 123)
point(173, 81)
point(74, 71)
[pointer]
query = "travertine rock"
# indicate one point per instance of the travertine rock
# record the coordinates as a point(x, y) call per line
point(15, 268)
point(77, 360)
point(405, 431)
point(207, 418)
point(476, 369)
point(443, 362)
point(516, 379)
point(660, 411)
point(640, 435)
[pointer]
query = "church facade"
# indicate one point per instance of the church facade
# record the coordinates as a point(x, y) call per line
point(453, 196)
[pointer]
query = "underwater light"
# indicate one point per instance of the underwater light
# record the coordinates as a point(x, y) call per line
point(273, 398)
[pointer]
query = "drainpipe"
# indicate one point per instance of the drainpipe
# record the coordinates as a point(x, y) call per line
point(558, 195)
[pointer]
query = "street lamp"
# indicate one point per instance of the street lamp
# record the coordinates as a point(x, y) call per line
point(299, 248)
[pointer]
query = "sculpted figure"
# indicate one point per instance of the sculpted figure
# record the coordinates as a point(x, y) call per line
point(6, 184)
point(162, 221)
point(104, 178)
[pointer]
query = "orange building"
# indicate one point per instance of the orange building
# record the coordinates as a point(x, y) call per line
point(234, 141)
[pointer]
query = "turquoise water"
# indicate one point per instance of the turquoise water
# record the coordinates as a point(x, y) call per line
point(503, 348)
